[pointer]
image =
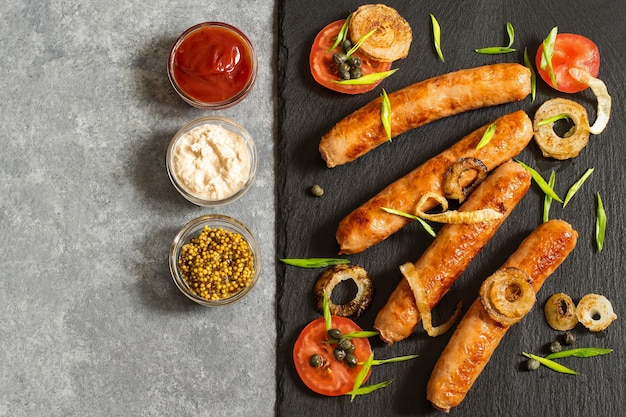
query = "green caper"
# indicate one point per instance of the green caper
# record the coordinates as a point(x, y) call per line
point(344, 344)
point(339, 354)
point(343, 67)
point(555, 347)
point(354, 61)
point(316, 361)
point(351, 360)
point(532, 364)
point(569, 338)
point(318, 191)
point(334, 334)
point(344, 75)
point(356, 73)
point(339, 58)
point(351, 348)
point(346, 45)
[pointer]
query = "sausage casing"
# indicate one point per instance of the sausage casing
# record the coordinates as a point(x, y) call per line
point(421, 103)
point(369, 224)
point(455, 246)
point(478, 335)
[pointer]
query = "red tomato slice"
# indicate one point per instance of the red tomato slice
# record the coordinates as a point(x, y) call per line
point(334, 377)
point(324, 70)
point(570, 51)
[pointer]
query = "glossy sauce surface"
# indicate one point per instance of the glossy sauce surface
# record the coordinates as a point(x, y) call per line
point(212, 64)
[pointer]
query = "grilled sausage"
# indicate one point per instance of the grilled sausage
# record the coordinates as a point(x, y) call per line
point(455, 246)
point(421, 103)
point(478, 335)
point(369, 224)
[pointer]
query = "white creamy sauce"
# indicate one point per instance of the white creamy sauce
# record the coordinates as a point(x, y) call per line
point(212, 162)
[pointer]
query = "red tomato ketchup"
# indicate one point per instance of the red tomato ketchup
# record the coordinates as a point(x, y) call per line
point(212, 65)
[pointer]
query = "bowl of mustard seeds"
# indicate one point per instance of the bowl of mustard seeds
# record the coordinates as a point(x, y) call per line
point(214, 260)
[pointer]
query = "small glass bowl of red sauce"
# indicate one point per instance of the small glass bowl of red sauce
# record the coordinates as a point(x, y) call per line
point(212, 66)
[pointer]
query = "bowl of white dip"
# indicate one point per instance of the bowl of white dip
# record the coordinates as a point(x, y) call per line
point(212, 161)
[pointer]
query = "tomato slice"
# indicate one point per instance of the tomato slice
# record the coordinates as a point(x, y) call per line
point(324, 70)
point(334, 377)
point(570, 51)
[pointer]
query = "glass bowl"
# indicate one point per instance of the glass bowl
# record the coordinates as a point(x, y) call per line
point(192, 230)
point(212, 66)
point(195, 173)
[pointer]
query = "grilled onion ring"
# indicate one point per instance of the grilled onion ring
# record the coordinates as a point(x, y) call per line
point(603, 112)
point(560, 312)
point(392, 38)
point(330, 278)
point(507, 295)
point(452, 181)
point(551, 144)
point(595, 312)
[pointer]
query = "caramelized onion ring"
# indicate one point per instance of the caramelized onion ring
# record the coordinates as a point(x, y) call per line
point(330, 278)
point(560, 312)
point(423, 305)
point(453, 216)
point(595, 312)
point(551, 144)
point(507, 295)
point(452, 181)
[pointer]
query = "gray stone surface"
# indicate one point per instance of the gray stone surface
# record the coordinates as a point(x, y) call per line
point(91, 322)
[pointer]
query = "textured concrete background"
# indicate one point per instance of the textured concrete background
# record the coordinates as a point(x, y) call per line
point(91, 322)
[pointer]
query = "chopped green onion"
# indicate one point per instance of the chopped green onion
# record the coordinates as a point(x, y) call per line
point(315, 262)
point(342, 35)
point(547, 200)
point(548, 51)
point(579, 353)
point(326, 311)
point(425, 225)
point(367, 79)
point(600, 224)
point(553, 119)
point(555, 366)
point(369, 388)
point(487, 136)
point(393, 360)
point(495, 50)
point(533, 75)
point(360, 42)
point(385, 113)
point(574, 188)
point(437, 36)
point(541, 182)
point(360, 377)
point(363, 333)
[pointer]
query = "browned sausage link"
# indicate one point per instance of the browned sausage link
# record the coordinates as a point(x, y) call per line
point(369, 224)
point(455, 246)
point(477, 335)
point(422, 103)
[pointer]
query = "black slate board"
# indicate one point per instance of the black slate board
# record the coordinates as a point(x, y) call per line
point(306, 225)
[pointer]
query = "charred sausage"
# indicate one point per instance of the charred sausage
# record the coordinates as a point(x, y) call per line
point(478, 335)
point(421, 103)
point(455, 246)
point(369, 224)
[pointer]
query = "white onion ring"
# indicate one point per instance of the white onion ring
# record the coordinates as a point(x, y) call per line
point(595, 312)
point(551, 144)
point(507, 295)
point(560, 312)
point(453, 216)
point(598, 87)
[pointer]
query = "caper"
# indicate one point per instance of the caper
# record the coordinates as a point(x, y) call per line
point(356, 73)
point(344, 344)
point(318, 191)
point(339, 58)
point(351, 360)
point(343, 67)
point(569, 338)
point(351, 348)
point(346, 45)
point(344, 75)
point(532, 364)
point(339, 354)
point(555, 347)
point(334, 334)
point(354, 61)
point(316, 360)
